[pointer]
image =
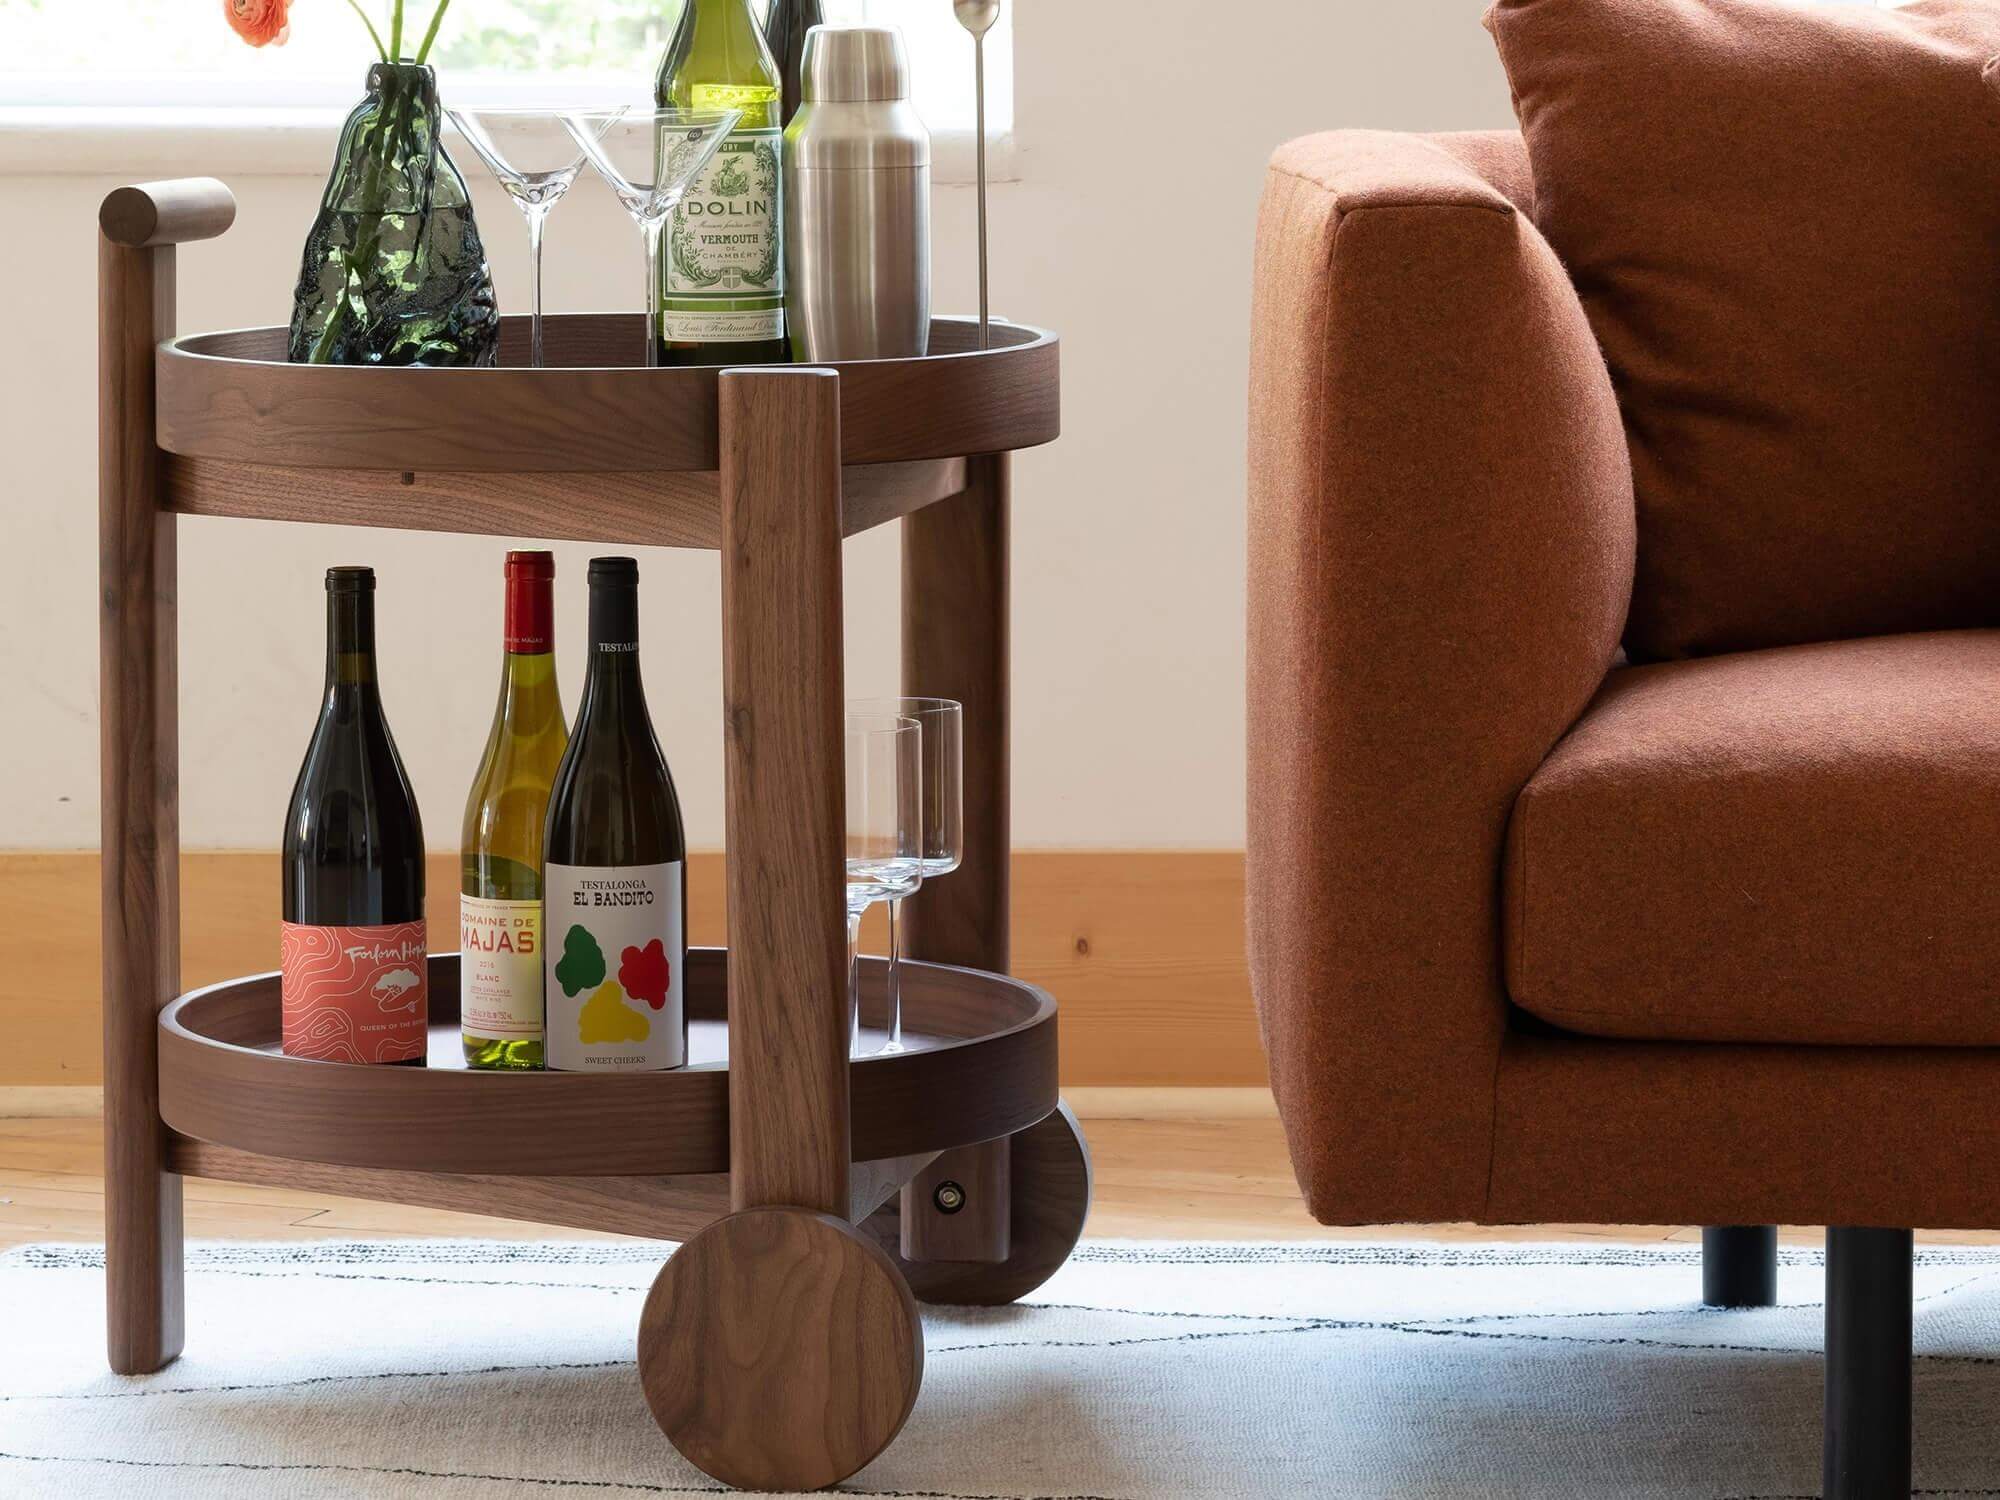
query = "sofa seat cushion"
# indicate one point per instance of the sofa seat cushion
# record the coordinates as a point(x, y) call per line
point(1799, 844)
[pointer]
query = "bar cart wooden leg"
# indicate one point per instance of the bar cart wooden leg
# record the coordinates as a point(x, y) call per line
point(140, 759)
point(986, 1223)
point(780, 1349)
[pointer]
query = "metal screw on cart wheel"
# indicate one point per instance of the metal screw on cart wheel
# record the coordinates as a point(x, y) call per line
point(949, 1197)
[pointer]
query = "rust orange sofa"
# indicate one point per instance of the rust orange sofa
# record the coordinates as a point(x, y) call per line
point(1537, 935)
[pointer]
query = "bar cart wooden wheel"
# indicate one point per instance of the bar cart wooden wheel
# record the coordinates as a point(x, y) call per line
point(780, 1347)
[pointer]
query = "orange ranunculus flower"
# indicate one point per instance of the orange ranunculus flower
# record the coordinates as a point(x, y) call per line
point(259, 22)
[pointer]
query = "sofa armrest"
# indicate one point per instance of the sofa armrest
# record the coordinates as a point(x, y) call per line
point(1440, 559)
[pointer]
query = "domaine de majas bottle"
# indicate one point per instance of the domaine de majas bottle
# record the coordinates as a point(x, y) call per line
point(615, 914)
point(355, 988)
point(500, 877)
point(723, 261)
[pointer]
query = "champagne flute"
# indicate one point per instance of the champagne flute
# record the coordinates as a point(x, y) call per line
point(884, 828)
point(535, 156)
point(649, 157)
point(941, 842)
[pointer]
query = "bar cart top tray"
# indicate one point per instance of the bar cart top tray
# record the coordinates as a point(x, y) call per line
point(591, 447)
point(980, 1062)
point(233, 397)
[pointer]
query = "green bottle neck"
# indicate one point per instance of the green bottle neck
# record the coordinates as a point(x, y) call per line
point(350, 641)
point(709, 20)
point(717, 44)
point(529, 696)
point(613, 691)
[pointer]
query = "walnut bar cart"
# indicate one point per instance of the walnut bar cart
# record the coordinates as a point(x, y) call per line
point(818, 1198)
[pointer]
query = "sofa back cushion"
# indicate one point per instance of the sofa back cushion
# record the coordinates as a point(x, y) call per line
point(1784, 222)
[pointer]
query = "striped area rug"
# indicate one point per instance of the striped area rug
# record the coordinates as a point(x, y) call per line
point(457, 1369)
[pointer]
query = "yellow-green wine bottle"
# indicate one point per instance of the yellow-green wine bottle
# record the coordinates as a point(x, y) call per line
point(502, 1016)
point(722, 260)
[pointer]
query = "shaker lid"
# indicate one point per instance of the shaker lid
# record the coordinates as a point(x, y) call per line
point(844, 64)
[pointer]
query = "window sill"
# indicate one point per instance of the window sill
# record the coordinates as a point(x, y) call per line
point(142, 144)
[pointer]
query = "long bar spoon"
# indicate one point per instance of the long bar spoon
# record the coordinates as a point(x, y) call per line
point(977, 17)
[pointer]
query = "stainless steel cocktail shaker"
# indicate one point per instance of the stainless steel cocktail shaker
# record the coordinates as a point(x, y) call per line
point(857, 201)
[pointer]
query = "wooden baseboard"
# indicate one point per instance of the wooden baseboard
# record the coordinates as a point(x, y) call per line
point(70, 1101)
point(1144, 950)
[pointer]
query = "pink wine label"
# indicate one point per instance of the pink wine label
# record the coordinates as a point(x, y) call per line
point(355, 994)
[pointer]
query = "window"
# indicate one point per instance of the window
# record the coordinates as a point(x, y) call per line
point(178, 57)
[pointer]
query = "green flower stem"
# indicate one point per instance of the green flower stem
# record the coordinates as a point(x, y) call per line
point(391, 124)
point(373, 35)
point(437, 18)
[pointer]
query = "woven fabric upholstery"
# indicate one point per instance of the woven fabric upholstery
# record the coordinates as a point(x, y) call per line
point(1793, 845)
point(1782, 222)
point(1440, 558)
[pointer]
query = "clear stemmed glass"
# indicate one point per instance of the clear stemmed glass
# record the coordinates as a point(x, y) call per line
point(534, 155)
point(941, 843)
point(649, 158)
point(885, 782)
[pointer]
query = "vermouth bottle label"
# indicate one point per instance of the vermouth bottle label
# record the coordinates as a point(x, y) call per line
point(613, 967)
point(500, 969)
point(354, 994)
point(724, 269)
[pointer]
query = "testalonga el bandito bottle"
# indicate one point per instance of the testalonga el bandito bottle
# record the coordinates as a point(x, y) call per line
point(615, 897)
point(355, 987)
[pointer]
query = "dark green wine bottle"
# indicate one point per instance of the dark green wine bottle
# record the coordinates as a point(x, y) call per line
point(355, 986)
point(785, 34)
point(614, 931)
point(722, 263)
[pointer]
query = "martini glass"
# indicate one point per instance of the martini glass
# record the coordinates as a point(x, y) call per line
point(534, 155)
point(649, 158)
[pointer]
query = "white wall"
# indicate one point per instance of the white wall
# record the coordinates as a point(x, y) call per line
point(1143, 130)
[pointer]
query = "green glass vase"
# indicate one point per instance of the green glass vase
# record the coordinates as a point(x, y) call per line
point(394, 271)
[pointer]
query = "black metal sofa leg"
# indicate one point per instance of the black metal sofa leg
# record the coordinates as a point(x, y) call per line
point(1867, 1447)
point(1739, 1265)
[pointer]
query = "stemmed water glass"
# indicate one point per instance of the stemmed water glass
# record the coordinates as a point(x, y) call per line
point(941, 840)
point(885, 779)
point(649, 158)
point(535, 156)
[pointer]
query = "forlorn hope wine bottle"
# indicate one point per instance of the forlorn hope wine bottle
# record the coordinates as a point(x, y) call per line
point(500, 855)
point(615, 900)
point(354, 984)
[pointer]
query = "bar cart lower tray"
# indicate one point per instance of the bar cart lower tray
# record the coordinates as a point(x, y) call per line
point(648, 1153)
point(979, 1063)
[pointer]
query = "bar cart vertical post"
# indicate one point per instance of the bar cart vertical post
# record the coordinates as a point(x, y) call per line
point(138, 711)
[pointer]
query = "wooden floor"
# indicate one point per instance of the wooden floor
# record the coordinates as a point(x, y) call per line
point(1170, 1164)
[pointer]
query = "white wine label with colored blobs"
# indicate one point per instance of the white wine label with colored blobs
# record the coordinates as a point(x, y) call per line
point(613, 955)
